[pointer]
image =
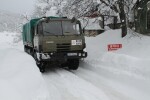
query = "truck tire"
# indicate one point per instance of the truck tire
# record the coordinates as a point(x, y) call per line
point(40, 64)
point(32, 52)
point(63, 65)
point(25, 49)
point(73, 64)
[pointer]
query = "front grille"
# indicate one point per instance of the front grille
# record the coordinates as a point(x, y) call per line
point(63, 47)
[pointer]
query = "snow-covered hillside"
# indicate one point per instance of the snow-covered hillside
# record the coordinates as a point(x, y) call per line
point(115, 75)
point(10, 21)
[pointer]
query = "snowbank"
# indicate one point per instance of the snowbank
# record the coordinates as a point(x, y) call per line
point(20, 78)
point(134, 44)
point(9, 38)
point(127, 70)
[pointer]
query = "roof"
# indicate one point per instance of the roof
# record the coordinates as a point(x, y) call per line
point(91, 23)
point(92, 14)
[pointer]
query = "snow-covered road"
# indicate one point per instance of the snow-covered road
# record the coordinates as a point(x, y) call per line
point(120, 75)
point(66, 85)
point(92, 83)
point(83, 84)
point(103, 75)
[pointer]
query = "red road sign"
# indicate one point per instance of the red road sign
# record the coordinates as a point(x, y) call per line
point(113, 47)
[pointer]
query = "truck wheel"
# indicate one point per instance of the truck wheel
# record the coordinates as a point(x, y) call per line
point(73, 64)
point(63, 65)
point(25, 49)
point(31, 52)
point(41, 65)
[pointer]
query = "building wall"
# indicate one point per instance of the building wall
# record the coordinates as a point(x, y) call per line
point(93, 32)
point(142, 17)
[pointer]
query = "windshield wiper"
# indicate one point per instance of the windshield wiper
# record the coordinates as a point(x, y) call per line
point(70, 33)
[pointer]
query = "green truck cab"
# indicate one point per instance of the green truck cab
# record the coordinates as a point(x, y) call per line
point(54, 39)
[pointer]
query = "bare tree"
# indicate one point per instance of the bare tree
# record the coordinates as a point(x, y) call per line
point(120, 8)
point(78, 8)
point(42, 7)
point(59, 4)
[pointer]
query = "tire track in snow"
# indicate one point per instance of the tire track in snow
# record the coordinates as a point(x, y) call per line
point(115, 86)
point(69, 86)
point(100, 83)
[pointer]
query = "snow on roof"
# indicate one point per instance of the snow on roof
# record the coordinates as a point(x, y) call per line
point(91, 23)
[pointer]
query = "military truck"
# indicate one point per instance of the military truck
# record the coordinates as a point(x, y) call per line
point(54, 39)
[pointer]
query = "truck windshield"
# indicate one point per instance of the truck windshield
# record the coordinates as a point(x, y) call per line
point(61, 28)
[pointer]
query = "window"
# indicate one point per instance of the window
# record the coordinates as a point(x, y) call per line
point(70, 28)
point(61, 28)
point(52, 28)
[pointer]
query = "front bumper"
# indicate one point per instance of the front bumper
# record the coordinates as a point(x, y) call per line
point(61, 56)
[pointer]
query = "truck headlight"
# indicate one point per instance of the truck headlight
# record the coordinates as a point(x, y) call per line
point(51, 53)
point(83, 54)
point(79, 54)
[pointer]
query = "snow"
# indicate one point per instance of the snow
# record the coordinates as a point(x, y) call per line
point(91, 23)
point(20, 78)
point(123, 74)
point(126, 71)
point(10, 21)
point(117, 75)
point(69, 86)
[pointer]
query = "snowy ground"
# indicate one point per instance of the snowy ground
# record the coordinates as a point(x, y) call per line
point(20, 78)
point(119, 75)
point(122, 74)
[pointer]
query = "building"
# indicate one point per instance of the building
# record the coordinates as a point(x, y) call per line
point(142, 16)
point(91, 26)
point(92, 23)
